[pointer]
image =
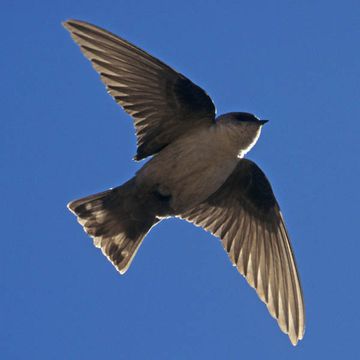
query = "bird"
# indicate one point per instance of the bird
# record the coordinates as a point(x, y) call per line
point(196, 171)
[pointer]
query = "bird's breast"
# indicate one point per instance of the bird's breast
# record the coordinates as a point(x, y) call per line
point(189, 170)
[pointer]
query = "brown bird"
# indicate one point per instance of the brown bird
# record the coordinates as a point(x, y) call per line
point(197, 172)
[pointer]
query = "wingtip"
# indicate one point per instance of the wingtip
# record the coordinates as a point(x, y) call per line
point(294, 340)
point(295, 337)
point(68, 24)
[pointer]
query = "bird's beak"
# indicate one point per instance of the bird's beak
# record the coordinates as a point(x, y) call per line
point(263, 122)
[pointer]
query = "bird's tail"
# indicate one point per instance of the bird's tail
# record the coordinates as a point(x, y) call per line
point(117, 220)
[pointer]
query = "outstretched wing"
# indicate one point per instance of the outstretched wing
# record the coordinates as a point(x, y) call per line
point(244, 214)
point(163, 103)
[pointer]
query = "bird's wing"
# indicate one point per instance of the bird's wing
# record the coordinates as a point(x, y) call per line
point(163, 103)
point(244, 214)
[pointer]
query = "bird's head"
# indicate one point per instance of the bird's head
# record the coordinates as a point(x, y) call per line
point(245, 127)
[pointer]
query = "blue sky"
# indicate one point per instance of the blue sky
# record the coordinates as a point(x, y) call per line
point(63, 137)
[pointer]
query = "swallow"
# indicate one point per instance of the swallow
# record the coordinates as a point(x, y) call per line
point(196, 171)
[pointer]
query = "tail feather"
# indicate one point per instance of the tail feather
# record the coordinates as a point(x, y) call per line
point(117, 221)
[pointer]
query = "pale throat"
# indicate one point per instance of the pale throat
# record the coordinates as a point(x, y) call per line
point(239, 140)
point(243, 152)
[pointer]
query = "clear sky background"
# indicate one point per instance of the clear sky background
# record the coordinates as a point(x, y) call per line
point(63, 137)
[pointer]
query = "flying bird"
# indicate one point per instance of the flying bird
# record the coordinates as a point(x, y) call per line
point(197, 172)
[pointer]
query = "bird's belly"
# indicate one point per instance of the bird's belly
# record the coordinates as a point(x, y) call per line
point(188, 172)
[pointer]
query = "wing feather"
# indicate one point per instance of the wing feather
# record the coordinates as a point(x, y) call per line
point(244, 214)
point(164, 104)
